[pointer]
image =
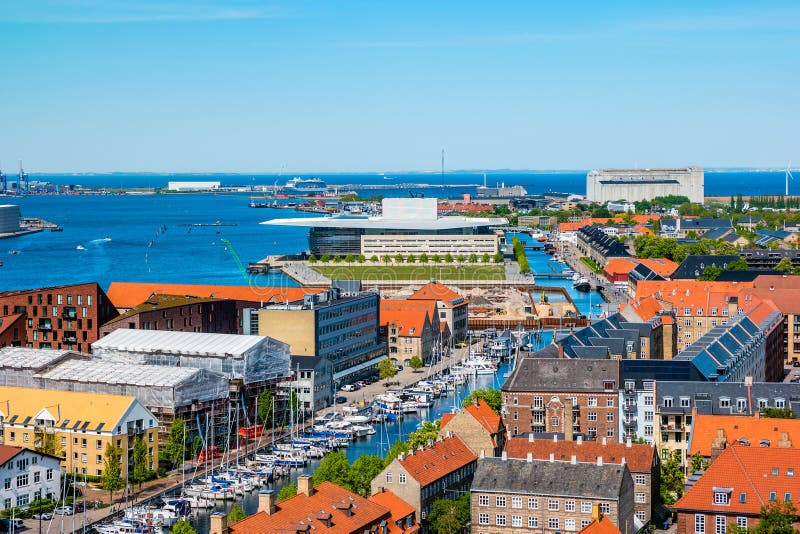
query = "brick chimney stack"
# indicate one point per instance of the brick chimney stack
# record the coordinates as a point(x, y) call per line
point(305, 484)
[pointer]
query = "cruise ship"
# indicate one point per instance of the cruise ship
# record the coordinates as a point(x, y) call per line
point(304, 186)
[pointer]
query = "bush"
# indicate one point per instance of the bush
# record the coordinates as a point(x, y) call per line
point(519, 252)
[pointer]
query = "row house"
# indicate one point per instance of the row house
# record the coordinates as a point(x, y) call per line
point(452, 307)
point(27, 476)
point(512, 495)
point(478, 426)
point(712, 434)
point(409, 328)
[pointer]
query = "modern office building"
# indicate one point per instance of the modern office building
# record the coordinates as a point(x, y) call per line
point(341, 326)
point(644, 184)
point(9, 218)
point(406, 226)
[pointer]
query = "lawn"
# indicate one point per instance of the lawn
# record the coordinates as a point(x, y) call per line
point(377, 272)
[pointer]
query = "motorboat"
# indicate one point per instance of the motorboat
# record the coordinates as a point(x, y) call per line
point(582, 284)
point(80, 247)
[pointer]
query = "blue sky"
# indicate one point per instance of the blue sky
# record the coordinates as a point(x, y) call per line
point(247, 86)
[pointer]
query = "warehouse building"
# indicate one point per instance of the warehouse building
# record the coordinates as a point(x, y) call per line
point(644, 184)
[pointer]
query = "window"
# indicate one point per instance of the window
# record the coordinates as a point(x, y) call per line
point(591, 416)
point(605, 508)
point(22, 480)
point(552, 505)
point(25, 437)
point(641, 480)
point(37, 477)
point(500, 520)
point(719, 523)
point(741, 405)
point(569, 506)
point(533, 503)
point(552, 523)
point(537, 402)
point(533, 521)
point(610, 417)
point(641, 497)
point(389, 478)
point(684, 402)
point(483, 500)
point(780, 403)
point(648, 430)
point(500, 501)
point(742, 497)
point(586, 507)
point(516, 520)
point(787, 497)
point(667, 402)
point(569, 525)
point(741, 521)
point(401, 478)
point(772, 495)
point(610, 402)
point(592, 402)
point(49, 474)
point(99, 459)
point(648, 400)
point(641, 515)
point(23, 499)
point(724, 402)
point(7, 483)
point(483, 519)
point(516, 502)
point(720, 497)
point(610, 432)
point(699, 524)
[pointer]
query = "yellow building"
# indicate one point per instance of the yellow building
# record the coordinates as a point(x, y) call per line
point(77, 426)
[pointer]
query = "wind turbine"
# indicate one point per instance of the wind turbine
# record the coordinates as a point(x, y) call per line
point(788, 176)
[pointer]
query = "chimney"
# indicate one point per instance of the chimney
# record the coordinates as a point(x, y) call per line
point(266, 501)
point(622, 460)
point(483, 453)
point(219, 523)
point(552, 457)
point(748, 381)
point(718, 444)
point(568, 420)
point(629, 443)
point(596, 515)
point(560, 350)
point(573, 460)
point(599, 460)
point(580, 440)
point(604, 440)
point(784, 442)
point(504, 456)
point(530, 458)
point(477, 402)
point(530, 437)
point(305, 484)
point(555, 438)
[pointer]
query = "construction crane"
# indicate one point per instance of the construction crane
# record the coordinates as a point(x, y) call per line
point(235, 256)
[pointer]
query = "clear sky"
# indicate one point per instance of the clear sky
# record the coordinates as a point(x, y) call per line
point(249, 86)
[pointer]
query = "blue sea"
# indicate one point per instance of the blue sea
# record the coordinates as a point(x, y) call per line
point(138, 248)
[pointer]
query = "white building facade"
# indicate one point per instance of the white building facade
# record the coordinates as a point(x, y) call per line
point(27, 476)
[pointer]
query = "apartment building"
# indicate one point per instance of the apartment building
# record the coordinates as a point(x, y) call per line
point(67, 317)
point(179, 314)
point(408, 329)
point(478, 426)
point(511, 495)
point(562, 395)
point(711, 434)
point(77, 426)
point(453, 308)
point(27, 476)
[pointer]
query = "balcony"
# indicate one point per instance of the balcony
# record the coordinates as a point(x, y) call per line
point(46, 326)
point(629, 407)
point(537, 408)
point(69, 313)
point(70, 337)
point(671, 428)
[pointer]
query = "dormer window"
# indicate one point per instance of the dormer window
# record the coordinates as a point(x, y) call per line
point(722, 496)
point(667, 402)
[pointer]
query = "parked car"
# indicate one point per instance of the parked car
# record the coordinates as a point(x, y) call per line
point(44, 515)
point(63, 510)
point(795, 363)
point(16, 524)
point(341, 400)
point(349, 387)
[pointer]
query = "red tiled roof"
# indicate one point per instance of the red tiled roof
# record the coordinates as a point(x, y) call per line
point(754, 471)
point(646, 308)
point(660, 266)
point(482, 413)
point(130, 294)
point(399, 508)
point(639, 457)
point(7, 452)
point(432, 463)
point(302, 509)
point(7, 320)
point(754, 428)
point(440, 292)
point(410, 323)
point(603, 526)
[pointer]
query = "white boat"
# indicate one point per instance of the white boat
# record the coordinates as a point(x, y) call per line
point(80, 247)
point(356, 418)
point(157, 517)
point(305, 186)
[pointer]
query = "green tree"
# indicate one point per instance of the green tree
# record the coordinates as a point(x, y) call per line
point(776, 517)
point(362, 471)
point(174, 449)
point(448, 258)
point(473, 258)
point(710, 273)
point(236, 513)
point(141, 472)
point(428, 431)
point(490, 396)
point(374, 258)
point(423, 258)
point(387, 369)
point(399, 258)
point(46, 441)
point(264, 403)
point(333, 467)
point(349, 258)
point(785, 265)
point(394, 451)
point(778, 413)
point(361, 258)
point(485, 258)
point(325, 258)
point(287, 492)
point(387, 259)
point(498, 257)
point(183, 527)
point(723, 248)
point(436, 258)
point(312, 259)
point(411, 258)
point(111, 479)
point(461, 258)
point(738, 265)
point(415, 363)
point(698, 462)
point(337, 259)
point(671, 479)
point(449, 516)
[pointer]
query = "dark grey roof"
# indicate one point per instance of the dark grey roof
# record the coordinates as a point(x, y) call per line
point(602, 243)
point(702, 223)
point(716, 233)
point(705, 396)
point(542, 477)
point(744, 276)
point(731, 237)
point(307, 363)
point(692, 266)
point(533, 374)
point(643, 272)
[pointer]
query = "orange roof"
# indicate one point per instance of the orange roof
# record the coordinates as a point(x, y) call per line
point(404, 305)
point(667, 289)
point(130, 294)
point(327, 500)
point(753, 471)
point(410, 323)
point(399, 508)
point(660, 266)
point(753, 428)
point(617, 219)
point(439, 292)
point(639, 457)
point(639, 229)
point(7, 452)
point(7, 320)
point(761, 311)
point(483, 414)
point(602, 526)
point(432, 463)
point(646, 308)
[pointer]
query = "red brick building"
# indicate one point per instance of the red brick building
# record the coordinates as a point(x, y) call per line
point(560, 395)
point(736, 486)
point(12, 330)
point(60, 317)
point(179, 314)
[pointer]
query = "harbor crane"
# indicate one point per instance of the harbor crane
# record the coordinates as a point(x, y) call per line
point(23, 178)
point(235, 256)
